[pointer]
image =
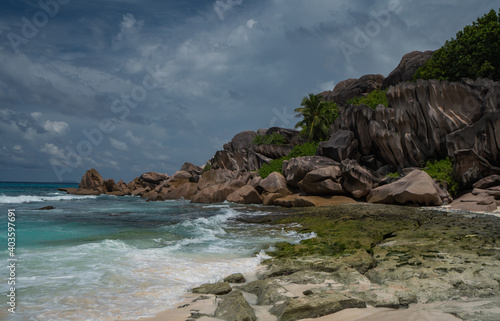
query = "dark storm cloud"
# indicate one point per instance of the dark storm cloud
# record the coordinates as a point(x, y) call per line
point(174, 80)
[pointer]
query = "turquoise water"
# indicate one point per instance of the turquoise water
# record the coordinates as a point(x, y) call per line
point(106, 257)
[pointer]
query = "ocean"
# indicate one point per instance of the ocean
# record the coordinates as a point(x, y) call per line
point(109, 258)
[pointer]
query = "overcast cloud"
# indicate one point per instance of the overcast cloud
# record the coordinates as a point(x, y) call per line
point(129, 86)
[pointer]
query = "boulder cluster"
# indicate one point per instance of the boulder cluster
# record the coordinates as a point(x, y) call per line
point(424, 120)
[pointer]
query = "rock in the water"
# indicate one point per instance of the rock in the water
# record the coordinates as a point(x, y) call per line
point(358, 181)
point(296, 169)
point(235, 278)
point(407, 67)
point(415, 188)
point(45, 208)
point(92, 180)
point(219, 288)
point(316, 305)
point(245, 195)
point(234, 307)
point(340, 146)
point(322, 181)
point(274, 183)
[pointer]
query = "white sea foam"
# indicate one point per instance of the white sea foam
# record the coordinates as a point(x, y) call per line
point(49, 198)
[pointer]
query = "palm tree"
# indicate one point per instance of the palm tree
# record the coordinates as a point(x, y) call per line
point(318, 116)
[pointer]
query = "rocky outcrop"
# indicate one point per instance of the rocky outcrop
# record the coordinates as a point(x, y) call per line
point(322, 181)
point(274, 183)
point(415, 188)
point(191, 169)
point(421, 115)
point(240, 160)
point(352, 88)
point(185, 191)
point(407, 68)
point(217, 193)
point(240, 141)
point(245, 195)
point(481, 202)
point(297, 168)
point(358, 180)
point(341, 145)
point(93, 181)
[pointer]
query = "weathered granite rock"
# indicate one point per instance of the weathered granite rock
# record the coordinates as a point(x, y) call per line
point(179, 178)
point(269, 198)
point(216, 193)
point(191, 169)
point(297, 200)
point(121, 188)
point(352, 88)
point(487, 182)
point(109, 185)
point(234, 307)
point(152, 178)
point(219, 288)
point(469, 167)
point(415, 188)
point(483, 137)
point(241, 140)
point(407, 67)
point(271, 151)
point(239, 160)
point(297, 168)
point(292, 136)
point(475, 203)
point(245, 195)
point(322, 181)
point(185, 191)
point(92, 180)
point(213, 177)
point(274, 183)
point(357, 180)
point(315, 305)
point(267, 292)
point(340, 146)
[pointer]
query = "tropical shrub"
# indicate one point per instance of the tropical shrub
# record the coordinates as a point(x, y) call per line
point(372, 99)
point(272, 139)
point(474, 53)
point(442, 172)
point(276, 165)
point(318, 115)
point(307, 149)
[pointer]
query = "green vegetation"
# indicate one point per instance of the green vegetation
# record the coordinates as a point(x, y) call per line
point(207, 167)
point(474, 53)
point(272, 139)
point(307, 149)
point(318, 115)
point(442, 172)
point(394, 175)
point(372, 99)
point(340, 231)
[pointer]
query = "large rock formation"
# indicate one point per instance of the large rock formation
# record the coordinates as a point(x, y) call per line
point(92, 180)
point(407, 68)
point(421, 115)
point(352, 88)
point(322, 181)
point(415, 188)
point(297, 168)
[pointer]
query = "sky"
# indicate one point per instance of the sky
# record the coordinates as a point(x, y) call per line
point(132, 86)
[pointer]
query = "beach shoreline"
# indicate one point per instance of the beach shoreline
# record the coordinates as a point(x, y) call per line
point(472, 228)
